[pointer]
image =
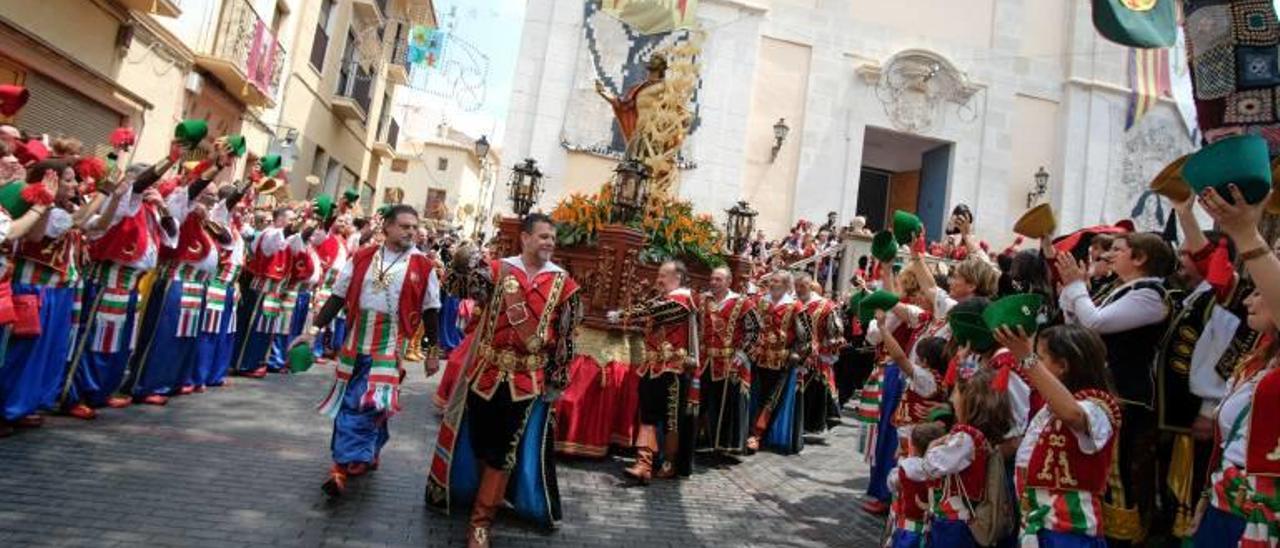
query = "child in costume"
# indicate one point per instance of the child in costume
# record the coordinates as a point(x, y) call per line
point(1064, 462)
point(910, 507)
point(958, 461)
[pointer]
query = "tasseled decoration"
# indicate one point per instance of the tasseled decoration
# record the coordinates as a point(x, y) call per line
point(166, 187)
point(91, 167)
point(175, 152)
point(1000, 382)
point(1179, 481)
point(37, 194)
point(1220, 274)
point(918, 246)
point(953, 372)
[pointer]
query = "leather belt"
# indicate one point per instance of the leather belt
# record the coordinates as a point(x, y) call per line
point(721, 352)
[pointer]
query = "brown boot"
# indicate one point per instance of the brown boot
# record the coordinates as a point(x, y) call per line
point(646, 446)
point(670, 448)
point(493, 489)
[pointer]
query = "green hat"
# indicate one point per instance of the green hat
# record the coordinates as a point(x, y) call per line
point(1239, 159)
point(301, 358)
point(971, 329)
point(1137, 23)
point(906, 227)
point(322, 206)
point(270, 164)
point(879, 300)
point(855, 301)
point(11, 198)
point(883, 247)
point(191, 132)
point(237, 145)
point(351, 195)
point(1015, 311)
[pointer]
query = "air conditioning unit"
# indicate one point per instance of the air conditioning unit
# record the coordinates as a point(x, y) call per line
point(194, 82)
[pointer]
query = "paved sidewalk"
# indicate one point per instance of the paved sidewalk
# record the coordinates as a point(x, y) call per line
point(242, 466)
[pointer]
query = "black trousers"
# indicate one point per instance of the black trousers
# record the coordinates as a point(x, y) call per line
point(496, 426)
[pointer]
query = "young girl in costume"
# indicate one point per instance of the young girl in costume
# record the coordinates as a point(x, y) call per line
point(922, 377)
point(1064, 461)
point(958, 461)
point(911, 489)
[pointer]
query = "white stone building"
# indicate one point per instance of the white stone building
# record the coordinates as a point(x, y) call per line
point(1013, 85)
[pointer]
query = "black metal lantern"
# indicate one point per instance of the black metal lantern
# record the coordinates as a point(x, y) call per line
point(525, 186)
point(482, 148)
point(630, 190)
point(780, 131)
point(1042, 187)
point(739, 226)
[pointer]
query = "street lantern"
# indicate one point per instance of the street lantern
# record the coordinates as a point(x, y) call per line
point(1042, 187)
point(482, 148)
point(630, 190)
point(740, 225)
point(780, 131)
point(525, 186)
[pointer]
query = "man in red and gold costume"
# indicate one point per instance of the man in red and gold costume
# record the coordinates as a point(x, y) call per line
point(668, 390)
point(730, 326)
point(819, 382)
point(783, 347)
point(497, 422)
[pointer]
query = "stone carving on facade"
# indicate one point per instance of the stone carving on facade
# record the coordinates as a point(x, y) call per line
point(1148, 147)
point(915, 86)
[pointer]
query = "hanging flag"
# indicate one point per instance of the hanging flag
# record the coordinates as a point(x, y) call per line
point(1149, 80)
point(652, 16)
point(426, 45)
point(1180, 85)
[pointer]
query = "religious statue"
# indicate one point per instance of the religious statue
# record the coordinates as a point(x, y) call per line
point(635, 109)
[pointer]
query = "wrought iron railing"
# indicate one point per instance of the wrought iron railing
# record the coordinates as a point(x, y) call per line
point(356, 84)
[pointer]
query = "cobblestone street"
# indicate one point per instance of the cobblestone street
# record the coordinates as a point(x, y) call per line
point(242, 465)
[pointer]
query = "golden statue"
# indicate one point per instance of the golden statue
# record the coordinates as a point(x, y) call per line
point(655, 117)
point(637, 108)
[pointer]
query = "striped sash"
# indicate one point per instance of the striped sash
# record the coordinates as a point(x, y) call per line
point(116, 283)
point(373, 334)
point(215, 305)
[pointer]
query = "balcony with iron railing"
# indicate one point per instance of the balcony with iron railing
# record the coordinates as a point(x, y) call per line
point(354, 95)
point(166, 8)
point(389, 133)
point(397, 66)
point(245, 56)
point(371, 11)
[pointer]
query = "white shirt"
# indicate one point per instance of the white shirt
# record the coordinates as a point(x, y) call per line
point(1234, 447)
point(1097, 431)
point(952, 455)
point(59, 223)
point(270, 241)
point(387, 300)
point(1218, 333)
point(1136, 308)
point(892, 321)
point(219, 214)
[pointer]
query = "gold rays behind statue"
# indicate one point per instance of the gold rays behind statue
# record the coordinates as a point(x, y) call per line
point(662, 137)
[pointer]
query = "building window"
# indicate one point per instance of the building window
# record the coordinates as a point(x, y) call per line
point(319, 163)
point(346, 70)
point(442, 164)
point(320, 42)
point(332, 177)
point(435, 206)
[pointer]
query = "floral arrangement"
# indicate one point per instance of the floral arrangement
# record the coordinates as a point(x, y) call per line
point(674, 230)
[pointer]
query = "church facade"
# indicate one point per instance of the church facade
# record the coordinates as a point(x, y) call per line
point(915, 104)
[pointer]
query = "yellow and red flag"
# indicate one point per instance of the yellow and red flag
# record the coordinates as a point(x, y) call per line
point(652, 16)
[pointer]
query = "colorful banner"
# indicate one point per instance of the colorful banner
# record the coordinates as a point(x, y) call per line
point(426, 45)
point(1180, 86)
point(1149, 80)
point(652, 16)
point(261, 62)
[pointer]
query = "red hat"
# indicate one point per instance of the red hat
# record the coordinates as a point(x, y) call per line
point(91, 167)
point(12, 98)
point(122, 137)
point(30, 152)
